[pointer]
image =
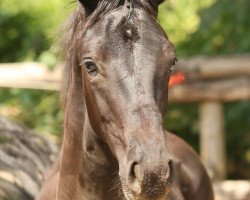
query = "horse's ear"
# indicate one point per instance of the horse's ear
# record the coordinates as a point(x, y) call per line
point(159, 2)
point(156, 3)
point(89, 6)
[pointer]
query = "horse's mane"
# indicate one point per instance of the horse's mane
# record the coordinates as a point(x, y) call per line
point(74, 30)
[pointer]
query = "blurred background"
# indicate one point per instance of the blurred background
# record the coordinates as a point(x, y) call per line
point(28, 30)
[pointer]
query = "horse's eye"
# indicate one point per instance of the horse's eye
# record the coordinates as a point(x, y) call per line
point(172, 68)
point(173, 65)
point(90, 67)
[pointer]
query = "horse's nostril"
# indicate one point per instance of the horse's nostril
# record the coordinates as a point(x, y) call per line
point(135, 177)
point(136, 172)
point(168, 170)
point(132, 170)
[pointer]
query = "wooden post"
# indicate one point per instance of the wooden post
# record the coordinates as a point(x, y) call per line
point(212, 139)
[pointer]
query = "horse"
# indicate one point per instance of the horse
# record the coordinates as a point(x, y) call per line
point(118, 61)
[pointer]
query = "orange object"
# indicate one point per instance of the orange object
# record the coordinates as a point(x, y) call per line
point(177, 78)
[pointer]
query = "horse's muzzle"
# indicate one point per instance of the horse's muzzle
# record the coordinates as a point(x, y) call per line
point(149, 172)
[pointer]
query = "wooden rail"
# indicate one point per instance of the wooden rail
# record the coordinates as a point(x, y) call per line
point(209, 82)
point(220, 79)
point(216, 67)
point(29, 76)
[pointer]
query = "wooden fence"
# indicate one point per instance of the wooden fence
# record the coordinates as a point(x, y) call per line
point(29, 75)
point(209, 82)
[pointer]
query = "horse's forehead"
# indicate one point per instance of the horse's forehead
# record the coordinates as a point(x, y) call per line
point(119, 39)
point(119, 23)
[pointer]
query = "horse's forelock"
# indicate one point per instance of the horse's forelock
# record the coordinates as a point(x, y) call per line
point(105, 6)
point(69, 47)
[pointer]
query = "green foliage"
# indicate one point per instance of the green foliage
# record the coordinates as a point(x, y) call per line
point(180, 18)
point(37, 109)
point(16, 38)
point(207, 27)
point(182, 119)
point(27, 27)
point(237, 127)
point(224, 29)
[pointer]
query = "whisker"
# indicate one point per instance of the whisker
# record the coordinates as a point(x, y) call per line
point(115, 184)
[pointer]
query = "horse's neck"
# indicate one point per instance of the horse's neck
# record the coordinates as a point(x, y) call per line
point(87, 169)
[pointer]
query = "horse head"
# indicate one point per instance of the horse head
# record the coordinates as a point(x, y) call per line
point(123, 60)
